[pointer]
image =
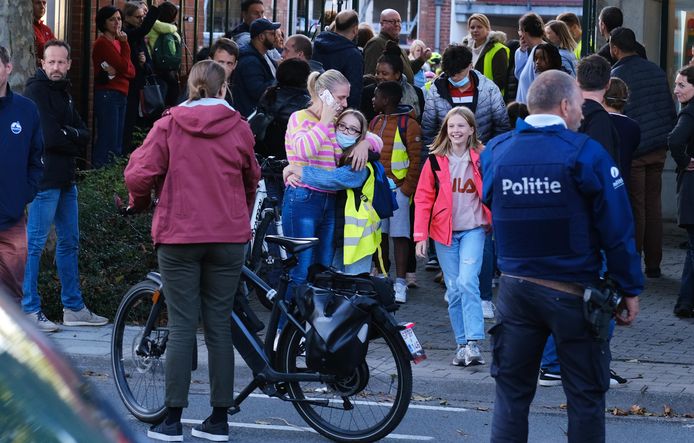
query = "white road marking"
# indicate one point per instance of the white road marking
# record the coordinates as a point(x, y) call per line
point(303, 429)
point(373, 403)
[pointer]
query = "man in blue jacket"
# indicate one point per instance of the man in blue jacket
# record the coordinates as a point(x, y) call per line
point(255, 71)
point(650, 104)
point(337, 50)
point(557, 199)
point(21, 146)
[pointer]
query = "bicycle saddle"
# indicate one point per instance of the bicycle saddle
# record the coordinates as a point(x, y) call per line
point(291, 244)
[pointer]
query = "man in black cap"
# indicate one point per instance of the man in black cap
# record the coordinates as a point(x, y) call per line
point(255, 70)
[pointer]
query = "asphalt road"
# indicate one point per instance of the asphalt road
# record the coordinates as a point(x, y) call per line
point(263, 419)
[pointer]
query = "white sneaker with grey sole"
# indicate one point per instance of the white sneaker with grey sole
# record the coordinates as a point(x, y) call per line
point(40, 321)
point(83, 317)
point(488, 309)
point(400, 293)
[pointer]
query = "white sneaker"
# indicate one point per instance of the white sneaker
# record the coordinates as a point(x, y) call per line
point(488, 309)
point(40, 321)
point(83, 317)
point(400, 293)
point(445, 296)
point(473, 356)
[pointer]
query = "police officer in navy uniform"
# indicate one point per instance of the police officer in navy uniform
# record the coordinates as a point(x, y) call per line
point(557, 200)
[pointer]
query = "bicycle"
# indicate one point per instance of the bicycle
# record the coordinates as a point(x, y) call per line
point(267, 211)
point(338, 407)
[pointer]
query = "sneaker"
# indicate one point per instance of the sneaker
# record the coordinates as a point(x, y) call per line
point(166, 432)
point(473, 355)
point(683, 311)
point(83, 317)
point(40, 321)
point(432, 265)
point(616, 381)
point(212, 431)
point(411, 279)
point(488, 309)
point(459, 358)
point(400, 293)
point(549, 378)
point(439, 277)
point(445, 296)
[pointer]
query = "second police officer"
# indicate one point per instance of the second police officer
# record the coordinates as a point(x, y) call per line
point(558, 200)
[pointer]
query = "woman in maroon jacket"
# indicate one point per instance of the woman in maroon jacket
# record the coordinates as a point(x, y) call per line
point(199, 158)
point(113, 71)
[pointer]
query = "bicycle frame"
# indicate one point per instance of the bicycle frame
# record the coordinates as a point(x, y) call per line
point(261, 206)
point(256, 353)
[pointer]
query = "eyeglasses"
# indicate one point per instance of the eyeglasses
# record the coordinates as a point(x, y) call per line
point(395, 22)
point(348, 129)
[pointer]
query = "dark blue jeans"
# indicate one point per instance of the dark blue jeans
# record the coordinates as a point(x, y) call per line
point(686, 296)
point(109, 111)
point(309, 213)
point(487, 271)
point(526, 315)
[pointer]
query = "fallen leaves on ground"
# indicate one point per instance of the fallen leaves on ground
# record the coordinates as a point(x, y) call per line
point(637, 410)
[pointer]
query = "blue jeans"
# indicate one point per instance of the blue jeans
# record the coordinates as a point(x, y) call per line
point(109, 111)
point(487, 271)
point(308, 213)
point(57, 206)
point(461, 263)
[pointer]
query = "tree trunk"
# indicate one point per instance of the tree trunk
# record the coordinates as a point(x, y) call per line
point(17, 36)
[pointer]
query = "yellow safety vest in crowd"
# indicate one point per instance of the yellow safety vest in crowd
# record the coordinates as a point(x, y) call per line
point(577, 51)
point(488, 70)
point(362, 226)
point(399, 161)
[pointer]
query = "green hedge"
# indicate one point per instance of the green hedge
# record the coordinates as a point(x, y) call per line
point(115, 251)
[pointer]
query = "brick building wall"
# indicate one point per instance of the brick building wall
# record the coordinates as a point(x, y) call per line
point(426, 27)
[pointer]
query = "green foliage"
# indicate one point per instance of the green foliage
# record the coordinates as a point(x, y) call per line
point(115, 251)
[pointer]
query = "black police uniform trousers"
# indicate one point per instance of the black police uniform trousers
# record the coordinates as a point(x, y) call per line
point(526, 314)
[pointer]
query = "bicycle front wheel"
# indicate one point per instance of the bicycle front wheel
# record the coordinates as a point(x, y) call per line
point(363, 407)
point(265, 259)
point(137, 363)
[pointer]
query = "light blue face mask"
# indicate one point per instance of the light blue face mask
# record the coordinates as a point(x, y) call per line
point(460, 83)
point(344, 140)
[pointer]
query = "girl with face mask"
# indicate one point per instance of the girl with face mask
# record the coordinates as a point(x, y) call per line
point(351, 128)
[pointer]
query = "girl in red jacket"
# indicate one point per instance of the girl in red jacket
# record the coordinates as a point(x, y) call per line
point(449, 209)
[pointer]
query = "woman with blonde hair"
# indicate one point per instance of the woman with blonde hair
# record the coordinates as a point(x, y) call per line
point(558, 34)
point(199, 159)
point(449, 210)
point(489, 52)
point(416, 49)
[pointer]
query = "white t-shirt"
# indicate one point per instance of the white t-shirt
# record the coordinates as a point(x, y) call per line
point(467, 207)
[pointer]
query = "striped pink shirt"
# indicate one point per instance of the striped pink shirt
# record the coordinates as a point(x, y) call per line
point(311, 143)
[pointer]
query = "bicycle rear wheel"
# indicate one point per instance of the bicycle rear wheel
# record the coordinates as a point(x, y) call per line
point(378, 391)
point(139, 374)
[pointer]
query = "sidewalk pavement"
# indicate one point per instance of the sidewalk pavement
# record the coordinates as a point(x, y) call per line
point(655, 354)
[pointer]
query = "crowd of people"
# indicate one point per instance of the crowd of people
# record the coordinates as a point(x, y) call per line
point(521, 158)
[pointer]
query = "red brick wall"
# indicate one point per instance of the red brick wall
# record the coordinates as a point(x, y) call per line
point(426, 26)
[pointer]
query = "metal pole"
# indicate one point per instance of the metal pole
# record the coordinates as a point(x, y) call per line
point(226, 16)
point(588, 24)
point(290, 26)
point(195, 27)
point(437, 29)
point(210, 25)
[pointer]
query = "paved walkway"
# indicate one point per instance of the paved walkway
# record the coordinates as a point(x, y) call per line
point(655, 354)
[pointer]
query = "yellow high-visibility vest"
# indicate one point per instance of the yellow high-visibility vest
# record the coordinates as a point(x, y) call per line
point(362, 233)
point(489, 57)
point(399, 161)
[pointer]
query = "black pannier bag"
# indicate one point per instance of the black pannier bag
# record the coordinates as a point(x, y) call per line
point(337, 337)
point(363, 284)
